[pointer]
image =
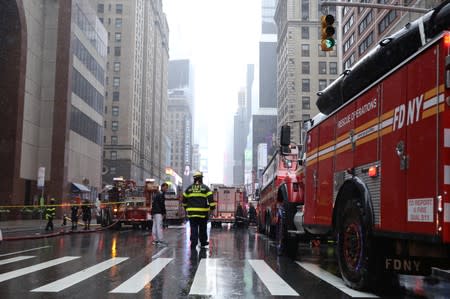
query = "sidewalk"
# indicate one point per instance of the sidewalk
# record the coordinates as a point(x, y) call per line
point(35, 228)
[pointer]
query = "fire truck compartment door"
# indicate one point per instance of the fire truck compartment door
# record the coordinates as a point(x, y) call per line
point(421, 122)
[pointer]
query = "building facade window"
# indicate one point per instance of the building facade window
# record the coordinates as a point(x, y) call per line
point(348, 24)
point(113, 155)
point(305, 50)
point(100, 8)
point(117, 51)
point(116, 81)
point(118, 22)
point(119, 8)
point(305, 10)
point(305, 67)
point(83, 125)
point(333, 68)
point(116, 96)
point(114, 125)
point(386, 21)
point(117, 66)
point(366, 43)
point(118, 36)
point(115, 111)
point(305, 32)
point(306, 116)
point(365, 22)
point(322, 84)
point(322, 67)
point(86, 91)
point(350, 61)
point(306, 103)
point(305, 85)
point(114, 140)
point(349, 42)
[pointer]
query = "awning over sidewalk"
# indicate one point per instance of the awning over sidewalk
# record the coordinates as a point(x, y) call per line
point(79, 188)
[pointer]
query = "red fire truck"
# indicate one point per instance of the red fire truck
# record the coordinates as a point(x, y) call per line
point(279, 195)
point(128, 204)
point(174, 209)
point(376, 164)
point(227, 199)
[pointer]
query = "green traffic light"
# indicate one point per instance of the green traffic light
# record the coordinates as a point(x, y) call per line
point(329, 43)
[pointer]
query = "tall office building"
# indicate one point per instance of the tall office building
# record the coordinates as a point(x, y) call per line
point(136, 82)
point(52, 83)
point(239, 139)
point(364, 27)
point(180, 115)
point(265, 117)
point(179, 129)
point(303, 68)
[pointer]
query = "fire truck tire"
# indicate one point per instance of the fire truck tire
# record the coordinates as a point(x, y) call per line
point(286, 244)
point(352, 246)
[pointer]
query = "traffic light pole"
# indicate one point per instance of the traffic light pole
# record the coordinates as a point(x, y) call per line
point(375, 5)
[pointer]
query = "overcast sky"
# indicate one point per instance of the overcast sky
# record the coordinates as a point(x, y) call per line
point(220, 37)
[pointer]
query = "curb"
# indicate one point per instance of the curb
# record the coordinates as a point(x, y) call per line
point(55, 234)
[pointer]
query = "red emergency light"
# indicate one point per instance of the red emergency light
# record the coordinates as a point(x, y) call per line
point(447, 39)
point(373, 171)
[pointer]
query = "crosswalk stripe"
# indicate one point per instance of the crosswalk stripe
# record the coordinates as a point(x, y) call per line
point(77, 277)
point(22, 251)
point(274, 283)
point(138, 281)
point(334, 280)
point(27, 270)
point(205, 282)
point(16, 259)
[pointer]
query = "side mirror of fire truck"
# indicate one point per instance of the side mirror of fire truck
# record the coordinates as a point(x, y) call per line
point(285, 137)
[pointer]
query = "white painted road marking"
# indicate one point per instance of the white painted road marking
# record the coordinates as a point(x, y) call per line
point(22, 251)
point(276, 285)
point(205, 280)
point(16, 259)
point(27, 270)
point(75, 278)
point(138, 281)
point(159, 253)
point(334, 280)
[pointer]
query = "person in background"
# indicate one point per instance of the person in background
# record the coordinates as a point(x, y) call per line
point(74, 215)
point(86, 210)
point(251, 214)
point(50, 213)
point(158, 213)
point(198, 201)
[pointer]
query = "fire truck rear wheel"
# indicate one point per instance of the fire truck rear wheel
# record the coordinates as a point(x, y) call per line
point(352, 246)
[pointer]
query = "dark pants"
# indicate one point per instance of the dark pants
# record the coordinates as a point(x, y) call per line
point(198, 231)
point(49, 224)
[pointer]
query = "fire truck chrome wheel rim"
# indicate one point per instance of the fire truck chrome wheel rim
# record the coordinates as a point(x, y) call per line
point(352, 246)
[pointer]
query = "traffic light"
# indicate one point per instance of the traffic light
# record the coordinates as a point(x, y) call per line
point(328, 31)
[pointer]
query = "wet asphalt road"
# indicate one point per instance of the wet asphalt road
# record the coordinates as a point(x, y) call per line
point(239, 263)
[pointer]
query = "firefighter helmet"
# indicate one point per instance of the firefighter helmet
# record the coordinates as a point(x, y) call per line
point(198, 174)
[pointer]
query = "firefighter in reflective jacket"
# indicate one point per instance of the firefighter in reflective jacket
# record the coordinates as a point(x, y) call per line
point(50, 213)
point(198, 201)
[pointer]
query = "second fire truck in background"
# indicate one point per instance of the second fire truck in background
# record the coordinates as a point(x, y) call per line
point(227, 199)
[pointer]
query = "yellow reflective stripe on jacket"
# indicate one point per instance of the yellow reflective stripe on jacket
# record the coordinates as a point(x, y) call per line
point(209, 193)
point(196, 215)
point(213, 204)
point(198, 209)
point(196, 194)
